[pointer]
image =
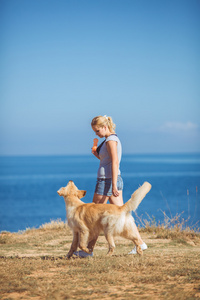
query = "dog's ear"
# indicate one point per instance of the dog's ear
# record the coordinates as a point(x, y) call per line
point(81, 194)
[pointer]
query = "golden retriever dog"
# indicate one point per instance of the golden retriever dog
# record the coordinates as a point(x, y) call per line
point(88, 220)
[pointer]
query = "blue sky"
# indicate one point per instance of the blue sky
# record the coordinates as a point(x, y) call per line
point(64, 62)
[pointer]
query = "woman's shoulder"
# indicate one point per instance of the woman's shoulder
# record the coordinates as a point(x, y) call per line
point(112, 137)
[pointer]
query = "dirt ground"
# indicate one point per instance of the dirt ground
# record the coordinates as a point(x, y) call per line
point(33, 266)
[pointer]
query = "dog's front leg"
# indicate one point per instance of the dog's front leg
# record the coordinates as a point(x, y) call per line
point(74, 245)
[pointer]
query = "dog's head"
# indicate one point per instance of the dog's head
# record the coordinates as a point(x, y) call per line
point(71, 190)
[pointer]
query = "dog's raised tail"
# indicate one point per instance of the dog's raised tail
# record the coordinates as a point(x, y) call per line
point(137, 197)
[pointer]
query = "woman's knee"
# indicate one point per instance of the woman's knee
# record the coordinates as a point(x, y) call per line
point(100, 199)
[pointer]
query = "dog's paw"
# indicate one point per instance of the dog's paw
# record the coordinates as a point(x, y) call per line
point(69, 255)
point(110, 251)
point(139, 250)
point(86, 250)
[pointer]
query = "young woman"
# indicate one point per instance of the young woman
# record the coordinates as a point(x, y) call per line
point(109, 184)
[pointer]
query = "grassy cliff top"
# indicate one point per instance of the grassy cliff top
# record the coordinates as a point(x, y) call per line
point(33, 266)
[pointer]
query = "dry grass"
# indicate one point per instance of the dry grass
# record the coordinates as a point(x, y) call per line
point(33, 266)
point(175, 228)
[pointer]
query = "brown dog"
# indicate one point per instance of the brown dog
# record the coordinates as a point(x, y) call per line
point(88, 220)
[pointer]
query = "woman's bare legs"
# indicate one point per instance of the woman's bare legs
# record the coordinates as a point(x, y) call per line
point(112, 199)
point(97, 199)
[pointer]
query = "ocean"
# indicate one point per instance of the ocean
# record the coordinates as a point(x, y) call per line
point(29, 184)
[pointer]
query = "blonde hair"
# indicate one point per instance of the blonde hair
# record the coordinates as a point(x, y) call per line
point(102, 121)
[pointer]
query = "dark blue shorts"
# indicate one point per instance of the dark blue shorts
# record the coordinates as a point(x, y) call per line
point(104, 186)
